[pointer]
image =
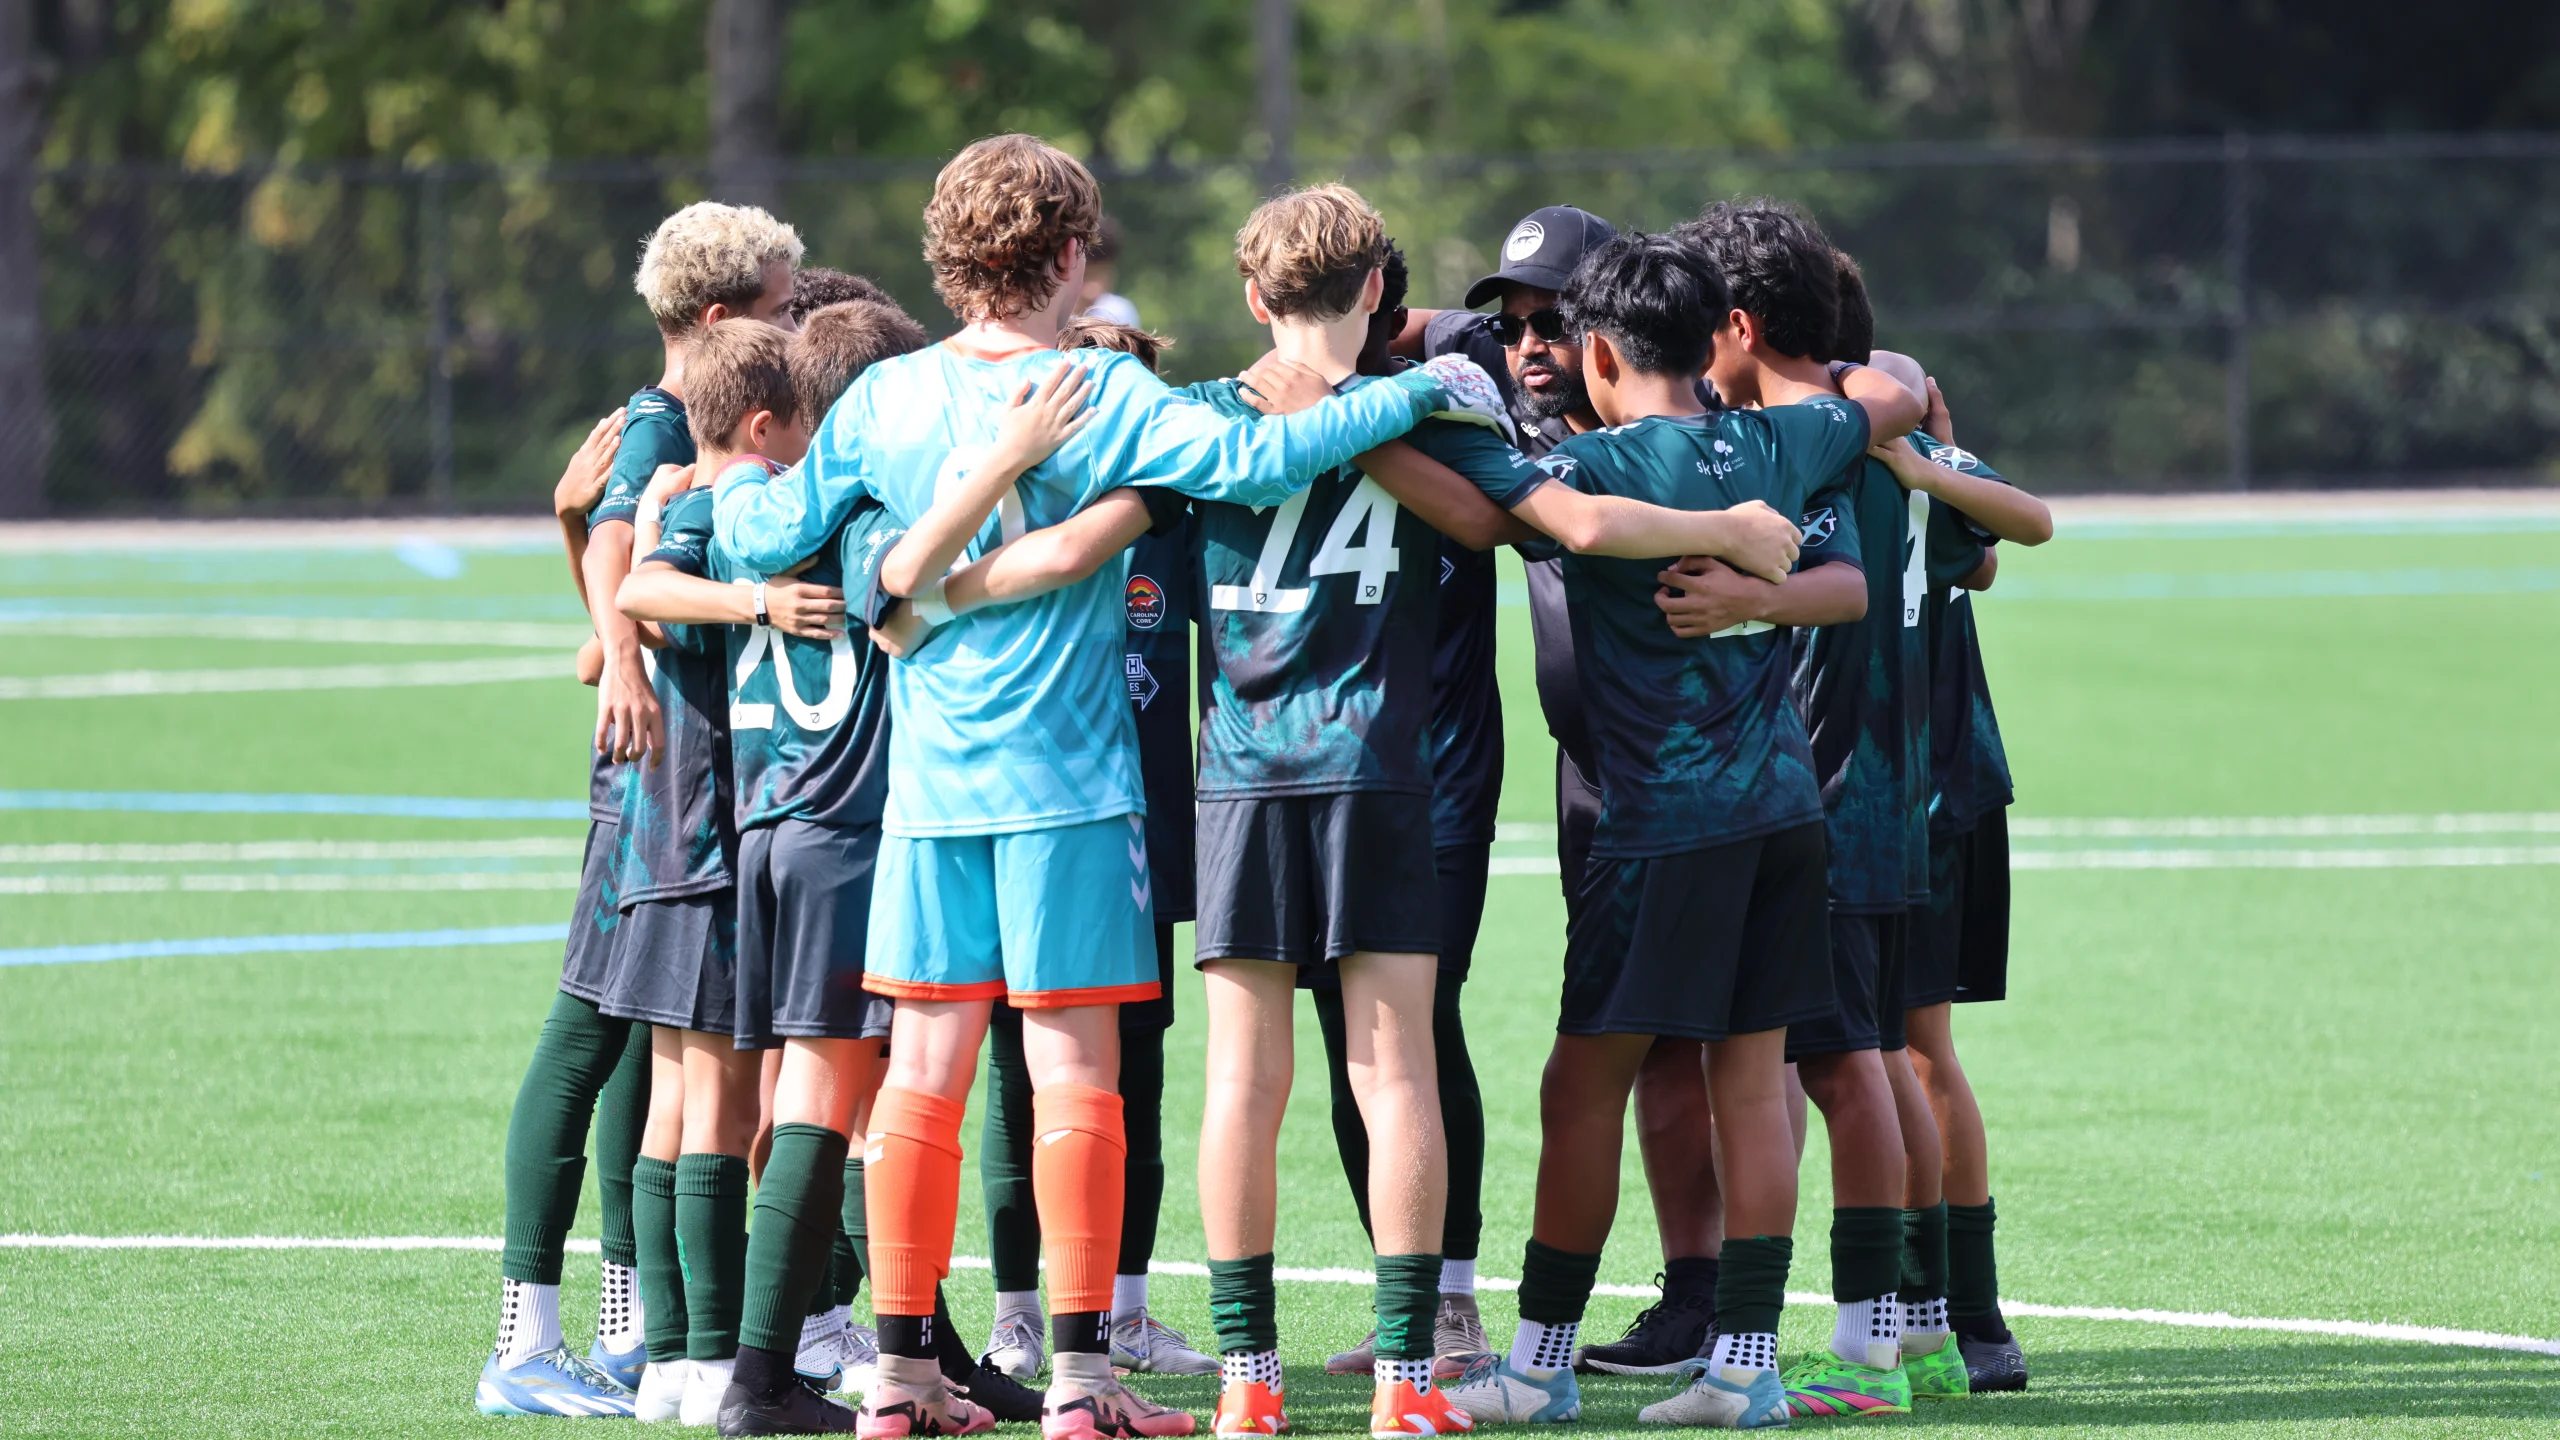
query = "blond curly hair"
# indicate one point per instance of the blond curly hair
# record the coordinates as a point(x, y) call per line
point(1002, 212)
point(1310, 251)
point(710, 254)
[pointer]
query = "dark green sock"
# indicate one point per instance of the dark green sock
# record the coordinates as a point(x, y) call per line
point(1243, 1305)
point(711, 1241)
point(1751, 1283)
point(1408, 1301)
point(1004, 1157)
point(1973, 1273)
point(1555, 1285)
point(622, 1112)
point(653, 1234)
point(547, 1134)
point(853, 1250)
point(1142, 1121)
point(1866, 1251)
point(799, 1204)
point(823, 1298)
point(1924, 1255)
point(1462, 1120)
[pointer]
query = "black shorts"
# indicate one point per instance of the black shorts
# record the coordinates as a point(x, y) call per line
point(1156, 1014)
point(1306, 879)
point(804, 909)
point(586, 966)
point(1464, 871)
point(1967, 928)
point(676, 963)
point(1704, 945)
point(1577, 818)
point(1866, 967)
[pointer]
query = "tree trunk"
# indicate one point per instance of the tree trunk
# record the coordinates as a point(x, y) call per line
point(26, 430)
point(1275, 40)
point(743, 50)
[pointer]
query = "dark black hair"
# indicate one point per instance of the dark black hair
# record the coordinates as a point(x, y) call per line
point(1395, 279)
point(1856, 339)
point(1779, 267)
point(1656, 300)
point(817, 287)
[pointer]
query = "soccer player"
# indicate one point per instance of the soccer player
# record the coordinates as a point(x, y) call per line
point(1158, 601)
point(1013, 863)
point(584, 1066)
point(815, 287)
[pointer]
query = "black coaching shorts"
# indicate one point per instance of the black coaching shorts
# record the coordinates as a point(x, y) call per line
point(1867, 953)
point(1307, 879)
point(804, 911)
point(1725, 941)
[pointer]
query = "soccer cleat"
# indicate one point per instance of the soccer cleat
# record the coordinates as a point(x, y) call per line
point(1248, 1407)
point(910, 1399)
point(1147, 1346)
point(1085, 1409)
point(799, 1410)
point(661, 1390)
point(1993, 1365)
point(1398, 1410)
point(1457, 1336)
point(1016, 1347)
point(1938, 1373)
point(554, 1382)
point(1732, 1400)
point(702, 1391)
point(623, 1366)
point(1666, 1336)
point(860, 1353)
point(1823, 1385)
point(1495, 1394)
point(1360, 1359)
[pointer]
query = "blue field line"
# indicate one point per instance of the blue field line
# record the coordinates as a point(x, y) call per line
point(285, 944)
point(2284, 584)
point(26, 609)
point(190, 802)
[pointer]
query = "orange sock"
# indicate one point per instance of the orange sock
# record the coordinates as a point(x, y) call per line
point(911, 1184)
point(1079, 1156)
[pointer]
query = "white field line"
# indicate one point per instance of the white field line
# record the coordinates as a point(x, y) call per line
point(483, 634)
point(2452, 856)
point(223, 884)
point(316, 677)
point(2304, 826)
point(1334, 1275)
point(250, 851)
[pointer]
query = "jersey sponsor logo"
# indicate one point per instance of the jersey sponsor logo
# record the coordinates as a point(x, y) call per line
point(1524, 241)
point(1819, 526)
point(1142, 681)
point(1145, 600)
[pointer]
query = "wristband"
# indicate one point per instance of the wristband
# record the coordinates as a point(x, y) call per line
point(931, 608)
point(762, 617)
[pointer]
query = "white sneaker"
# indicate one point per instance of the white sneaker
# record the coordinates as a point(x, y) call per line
point(820, 1358)
point(702, 1391)
point(861, 1361)
point(1142, 1343)
point(1017, 1347)
point(662, 1390)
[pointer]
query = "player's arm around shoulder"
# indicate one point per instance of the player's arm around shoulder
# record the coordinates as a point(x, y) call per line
point(1959, 479)
point(673, 583)
point(1042, 415)
point(1751, 536)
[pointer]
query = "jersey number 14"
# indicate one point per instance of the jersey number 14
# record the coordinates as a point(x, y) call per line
point(1360, 543)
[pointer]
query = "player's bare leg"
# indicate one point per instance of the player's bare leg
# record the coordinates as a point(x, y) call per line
point(1675, 1132)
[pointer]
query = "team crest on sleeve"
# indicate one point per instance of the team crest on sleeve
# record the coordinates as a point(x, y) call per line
point(1820, 526)
point(1145, 602)
point(1953, 458)
point(1557, 467)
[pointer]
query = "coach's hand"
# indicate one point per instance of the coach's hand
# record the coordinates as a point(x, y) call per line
point(1282, 387)
point(1765, 542)
point(812, 612)
point(1702, 596)
point(629, 723)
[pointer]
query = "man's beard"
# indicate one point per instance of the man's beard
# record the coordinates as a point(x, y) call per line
point(1555, 400)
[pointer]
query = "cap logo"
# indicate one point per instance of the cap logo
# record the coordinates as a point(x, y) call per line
point(1524, 241)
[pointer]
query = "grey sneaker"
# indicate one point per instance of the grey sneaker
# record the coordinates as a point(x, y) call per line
point(1457, 1336)
point(1361, 1359)
point(1147, 1346)
point(1016, 1347)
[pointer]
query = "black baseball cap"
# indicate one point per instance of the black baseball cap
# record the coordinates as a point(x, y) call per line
point(1543, 249)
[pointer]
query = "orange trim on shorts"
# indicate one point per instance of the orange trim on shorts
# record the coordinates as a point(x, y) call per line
point(1094, 995)
point(897, 989)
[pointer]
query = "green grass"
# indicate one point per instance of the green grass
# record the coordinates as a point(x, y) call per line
point(2306, 1093)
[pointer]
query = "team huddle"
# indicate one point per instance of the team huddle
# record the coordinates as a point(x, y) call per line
point(896, 762)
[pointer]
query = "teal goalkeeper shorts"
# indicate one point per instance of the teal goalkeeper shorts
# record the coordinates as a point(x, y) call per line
point(1044, 918)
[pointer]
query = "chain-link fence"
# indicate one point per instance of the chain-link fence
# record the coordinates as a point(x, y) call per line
point(2152, 316)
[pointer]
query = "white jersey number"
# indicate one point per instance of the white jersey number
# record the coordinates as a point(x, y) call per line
point(825, 715)
point(1369, 514)
point(1915, 563)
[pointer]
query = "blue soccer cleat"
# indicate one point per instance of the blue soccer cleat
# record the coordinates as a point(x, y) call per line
point(623, 1366)
point(554, 1382)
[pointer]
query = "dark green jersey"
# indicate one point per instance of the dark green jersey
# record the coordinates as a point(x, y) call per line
point(653, 434)
point(679, 819)
point(1322, 613)
point(1696, 741)
point(808, 719)
point(1864, 690)
point(1968, 767)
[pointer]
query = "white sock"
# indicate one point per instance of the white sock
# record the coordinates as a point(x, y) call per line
point(622, 1321)
point(1018, 1305)
point(1128, 1296)
point(1925, 1317)
point(1867, 1329)
point(1744, 1352)
point(1260, 1366)
point(1536, 1346)
point(1457, 1277)
point(1416, 1373)
point(528, 1320)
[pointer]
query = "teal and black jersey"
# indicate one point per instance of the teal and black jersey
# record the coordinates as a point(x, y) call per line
point(1696, 740)
point(679, 825)
point(1968, 767)
point(1466, 704)
point(1863, 689)
point(1160, 598)
point(808, 719)
point(653, 434)
point(1321, 612)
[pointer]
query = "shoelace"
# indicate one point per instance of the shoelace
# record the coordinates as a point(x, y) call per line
point(1660, 1309)
point(578, 1367)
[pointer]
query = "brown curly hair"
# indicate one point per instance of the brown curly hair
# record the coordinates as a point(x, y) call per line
point(1002, 212)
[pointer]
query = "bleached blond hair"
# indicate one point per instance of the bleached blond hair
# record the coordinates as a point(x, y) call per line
point(710, 254)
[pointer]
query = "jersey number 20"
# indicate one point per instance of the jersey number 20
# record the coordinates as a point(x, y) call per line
point(761, 643)
point(1361, 544)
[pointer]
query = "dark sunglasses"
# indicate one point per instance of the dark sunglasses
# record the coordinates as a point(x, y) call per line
point(1509, 330)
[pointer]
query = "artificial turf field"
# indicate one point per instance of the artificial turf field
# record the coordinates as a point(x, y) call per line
point(2261, 1078)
